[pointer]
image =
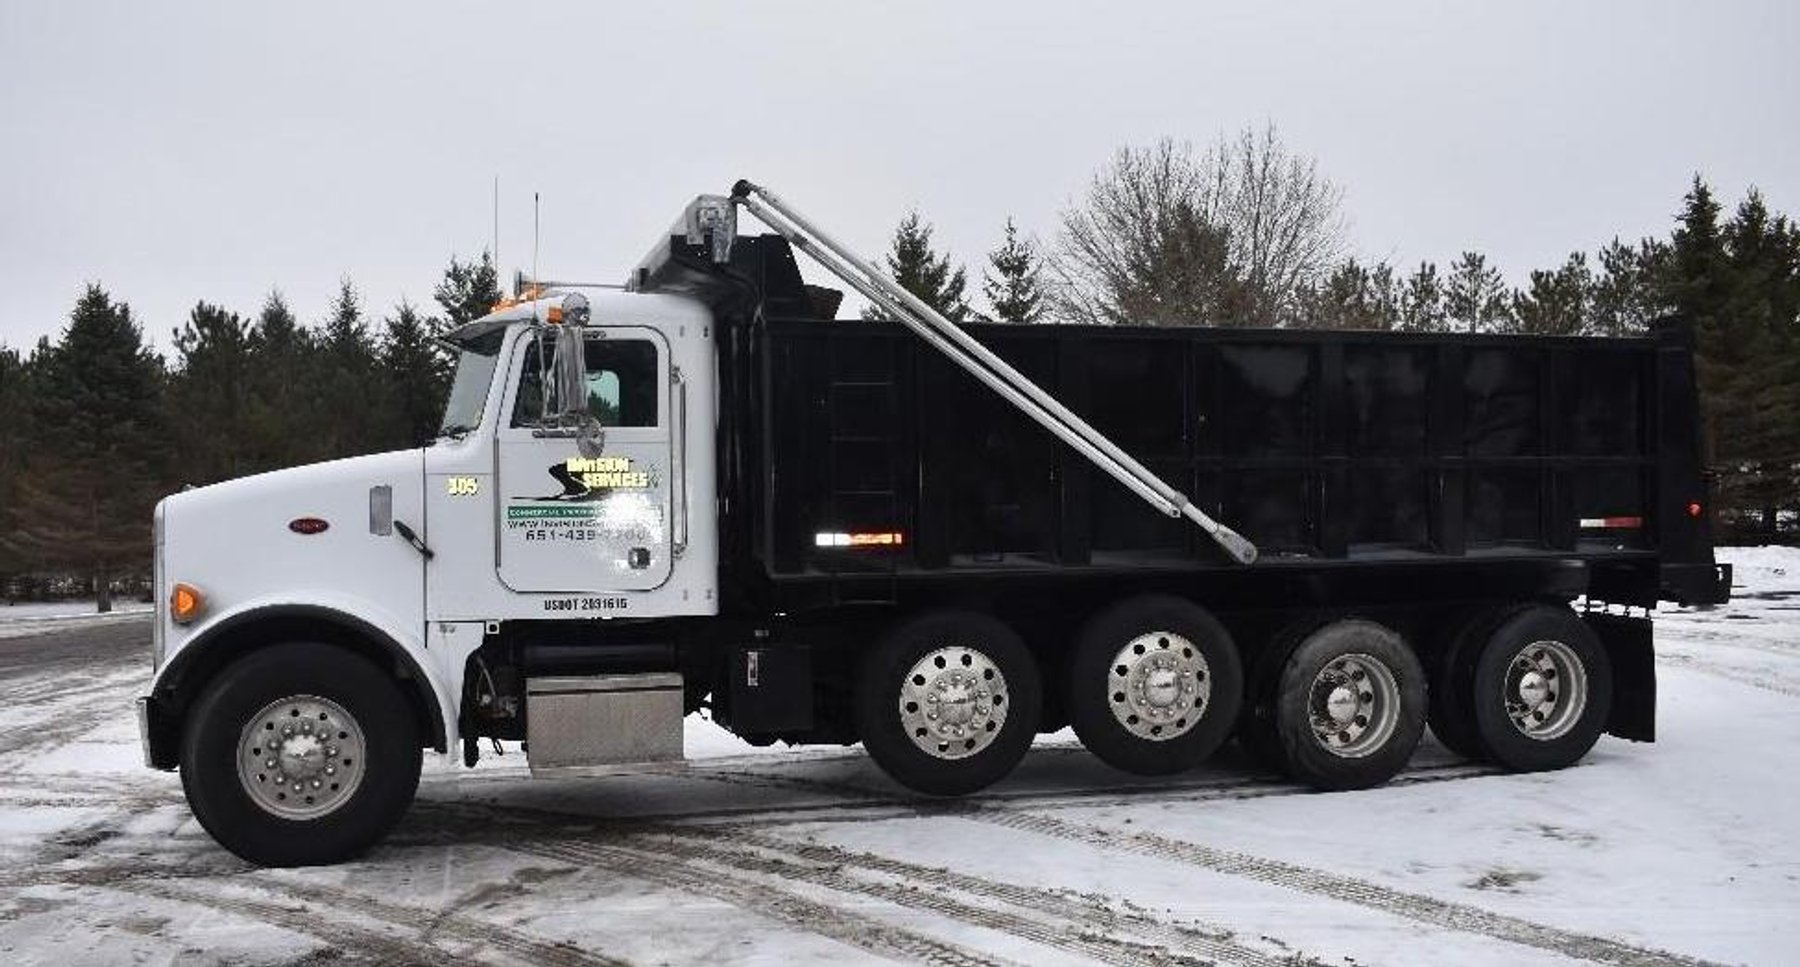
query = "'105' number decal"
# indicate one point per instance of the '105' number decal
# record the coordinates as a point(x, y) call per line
point(462, 486)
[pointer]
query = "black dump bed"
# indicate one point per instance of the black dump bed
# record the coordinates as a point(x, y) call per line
point(858, 456)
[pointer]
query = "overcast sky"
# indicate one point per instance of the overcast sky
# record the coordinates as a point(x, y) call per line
point(177, 152)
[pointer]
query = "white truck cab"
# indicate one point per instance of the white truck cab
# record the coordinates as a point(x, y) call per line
point(525, 508)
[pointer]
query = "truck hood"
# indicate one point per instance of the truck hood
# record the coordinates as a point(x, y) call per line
point(293, 490)
point(233, 540)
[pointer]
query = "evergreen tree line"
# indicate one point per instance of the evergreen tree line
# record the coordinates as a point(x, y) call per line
point(96, 427)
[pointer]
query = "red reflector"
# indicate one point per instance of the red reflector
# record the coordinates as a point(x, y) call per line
point(307, 525)
point(1694, 508)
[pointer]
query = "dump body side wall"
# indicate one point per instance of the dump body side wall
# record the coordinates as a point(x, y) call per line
point(1331, 450)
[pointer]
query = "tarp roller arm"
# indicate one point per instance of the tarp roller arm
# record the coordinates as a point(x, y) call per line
point(982, 363)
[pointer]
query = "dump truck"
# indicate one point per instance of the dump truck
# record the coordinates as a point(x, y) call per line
point(700, 491)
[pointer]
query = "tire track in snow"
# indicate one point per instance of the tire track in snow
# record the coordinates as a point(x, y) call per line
point(418, 927)
point(1082, 936)
point(869, 805)
point(358, 941)
point(72, 714)
point(428, 924)
point(1412, 906)
point(756, 896)
point(1210, 942)
point(1089, 929)
point(1738, 675)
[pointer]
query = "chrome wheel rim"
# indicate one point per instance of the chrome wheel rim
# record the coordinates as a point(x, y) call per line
point(1158, 686)
point(1545, 690)
point(1353, 705)
point(301, 757)
point(953, 702)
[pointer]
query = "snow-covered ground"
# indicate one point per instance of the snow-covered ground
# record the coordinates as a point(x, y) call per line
point(1685, 851)
point(35, 618)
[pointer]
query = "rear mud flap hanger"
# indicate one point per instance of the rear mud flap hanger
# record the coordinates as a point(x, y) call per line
point(712, 218)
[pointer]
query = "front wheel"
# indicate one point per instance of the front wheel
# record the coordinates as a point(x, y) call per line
point(948, 702)
point(300, 754)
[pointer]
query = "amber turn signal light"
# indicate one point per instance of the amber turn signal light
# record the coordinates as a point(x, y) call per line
point(185, 603)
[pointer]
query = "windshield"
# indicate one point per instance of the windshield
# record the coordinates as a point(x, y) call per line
point(468, 390)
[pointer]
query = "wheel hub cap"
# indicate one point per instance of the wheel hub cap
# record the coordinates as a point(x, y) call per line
point(301, 757)
point(1342, 704)
point(953, 702)
point(1545, 690)
point(1354, 705)
point(1158, 686)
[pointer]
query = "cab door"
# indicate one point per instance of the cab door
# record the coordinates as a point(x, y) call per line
point(574, 524)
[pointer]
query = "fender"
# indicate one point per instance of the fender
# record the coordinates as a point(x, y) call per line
point(210, 646)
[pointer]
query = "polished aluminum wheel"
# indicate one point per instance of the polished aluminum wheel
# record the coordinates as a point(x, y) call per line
point(1353, 705)
point(1159, 685)
point(1546, 690)
point(953, 702)
point(301, 757)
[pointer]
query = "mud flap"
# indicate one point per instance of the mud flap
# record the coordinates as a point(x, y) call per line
point(1628, 644)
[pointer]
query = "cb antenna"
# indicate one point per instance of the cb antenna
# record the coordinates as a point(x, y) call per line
point(496, 252)
point(534, 246)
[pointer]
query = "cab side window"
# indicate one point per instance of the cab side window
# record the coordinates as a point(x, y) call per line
point(621, 384)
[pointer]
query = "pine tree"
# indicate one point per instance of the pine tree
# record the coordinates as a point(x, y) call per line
point(419, 379)
point(15, 436)
point(1354, 296)
point(468, 291)
point(1422, 301)
point(354, 391)
point(1012, 287)
point(1556, 302)
point(923, 272)
point(96, 462)
point(1626, 294)
point(1762, 313)
point(1475, 295)
point(1695, 285)
point(209, 394)
point(284, 402)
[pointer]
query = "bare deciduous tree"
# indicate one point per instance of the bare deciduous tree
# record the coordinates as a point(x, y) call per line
point(1273, 220)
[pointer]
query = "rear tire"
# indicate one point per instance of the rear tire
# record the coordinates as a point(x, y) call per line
point(1154, 685)
point(1257, 734)
point(1542, 689)
point(344, 746)
point(1351, 706)
point(948, 702)
point(1452, 715)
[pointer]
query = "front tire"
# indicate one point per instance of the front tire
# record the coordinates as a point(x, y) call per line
point(1154, 686)
point(300, 754)
point(1350, 708)
point(948, 703)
